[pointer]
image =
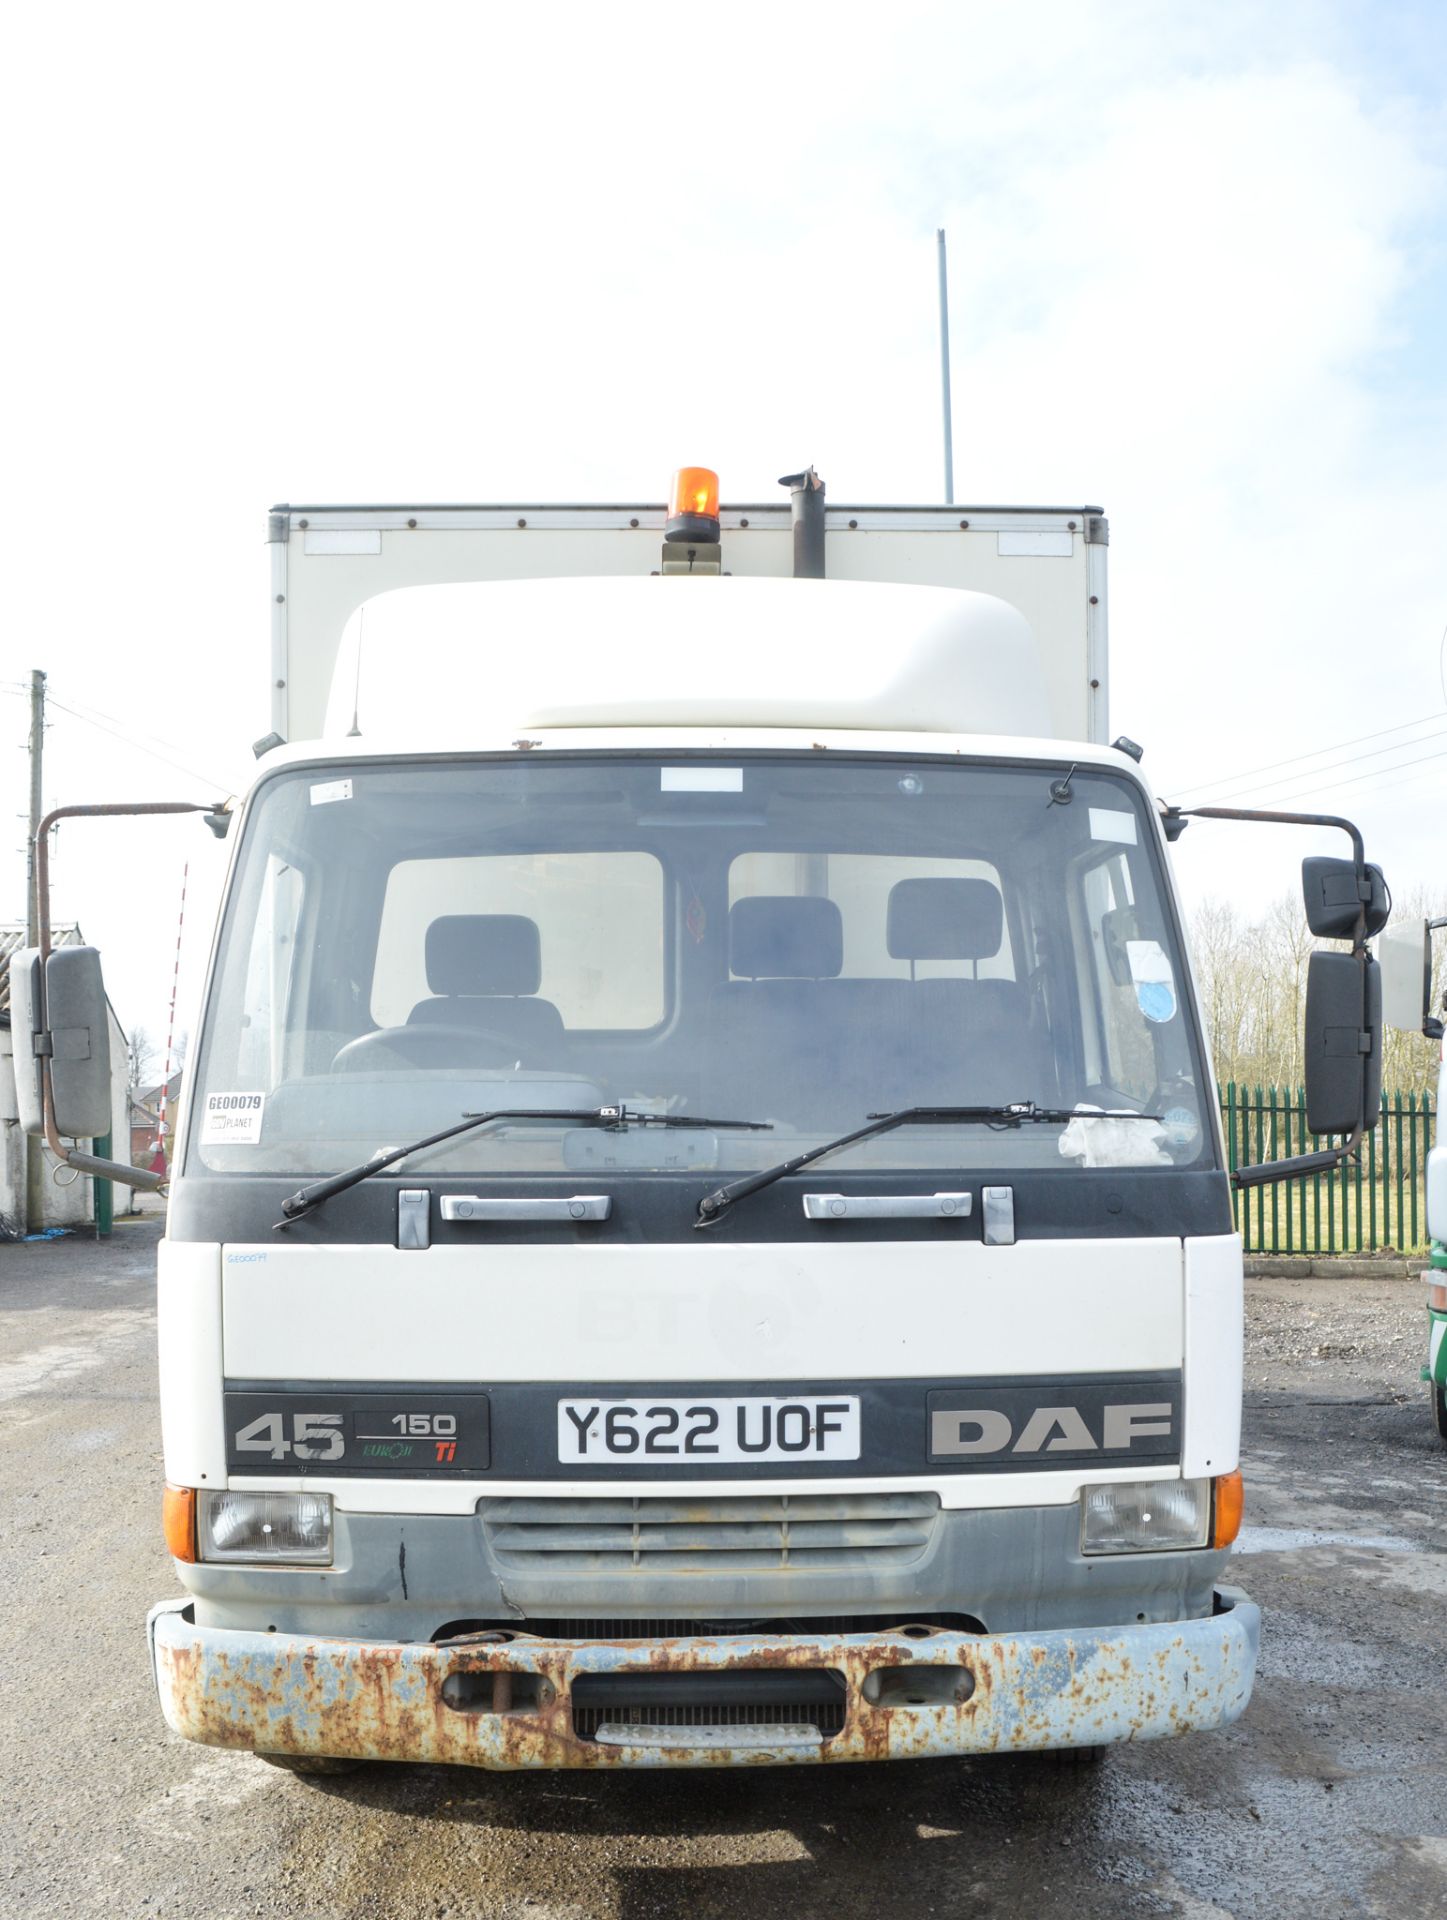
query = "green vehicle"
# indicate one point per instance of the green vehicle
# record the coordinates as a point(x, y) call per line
point(1436, 1368)
point(1407, 998)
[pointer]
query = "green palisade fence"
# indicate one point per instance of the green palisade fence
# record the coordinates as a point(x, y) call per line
point(1374, 1202)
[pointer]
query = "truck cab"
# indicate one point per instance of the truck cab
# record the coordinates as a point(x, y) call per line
point(701, 1232)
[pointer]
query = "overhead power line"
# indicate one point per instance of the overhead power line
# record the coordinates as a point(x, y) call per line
point(1348, 760)
point(1376, 773)
point(1293, 760)
point(139, 735)
point(1407, 780)
point(132, 740)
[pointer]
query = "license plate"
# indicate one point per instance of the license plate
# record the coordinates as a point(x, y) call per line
point(722, 1432)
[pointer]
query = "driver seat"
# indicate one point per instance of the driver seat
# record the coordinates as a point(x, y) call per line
point(484, 970)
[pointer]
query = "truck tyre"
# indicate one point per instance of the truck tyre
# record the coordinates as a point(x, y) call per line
point(1439, 1406)
point(312, 1763)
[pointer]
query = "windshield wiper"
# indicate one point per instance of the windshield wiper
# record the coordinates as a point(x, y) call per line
point(615, 1118)
point(1020, 1113)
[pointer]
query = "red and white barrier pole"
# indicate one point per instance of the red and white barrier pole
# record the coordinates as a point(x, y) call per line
point(170, 1033)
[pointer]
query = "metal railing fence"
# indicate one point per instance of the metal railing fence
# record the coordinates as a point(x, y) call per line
point(1374, 1203)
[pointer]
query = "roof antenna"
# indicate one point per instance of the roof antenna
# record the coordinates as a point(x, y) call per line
point(945, 370)
point(354, 732)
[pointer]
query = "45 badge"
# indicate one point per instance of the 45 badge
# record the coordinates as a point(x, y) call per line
point(291, 1432)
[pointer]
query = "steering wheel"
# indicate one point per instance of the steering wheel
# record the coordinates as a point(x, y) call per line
point(432, 1046)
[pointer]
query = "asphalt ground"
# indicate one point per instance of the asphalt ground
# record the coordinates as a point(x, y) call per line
point(1329, 1798)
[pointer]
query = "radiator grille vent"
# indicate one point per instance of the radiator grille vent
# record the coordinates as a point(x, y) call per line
point(739, 1697)
point(742, 1534)
point(827, 1717)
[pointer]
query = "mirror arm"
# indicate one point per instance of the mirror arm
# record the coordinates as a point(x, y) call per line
point(1300, 1163)
point(129, 1176)
point(42, 847)
point(1359, 852)
point(91, 1163)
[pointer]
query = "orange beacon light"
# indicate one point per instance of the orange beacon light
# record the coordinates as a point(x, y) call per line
point(693, 505)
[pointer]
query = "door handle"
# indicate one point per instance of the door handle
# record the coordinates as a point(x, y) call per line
point(484, 1207)
point(887, 1206)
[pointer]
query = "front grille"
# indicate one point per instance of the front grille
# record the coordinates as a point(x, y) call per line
point(648, 1627)
point(739, 1534)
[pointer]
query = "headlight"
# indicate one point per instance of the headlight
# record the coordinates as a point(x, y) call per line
point(1144, 1516)
point(291, 1527)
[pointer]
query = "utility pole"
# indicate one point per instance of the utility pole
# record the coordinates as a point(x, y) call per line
point(945, 370)
point(34, 1149)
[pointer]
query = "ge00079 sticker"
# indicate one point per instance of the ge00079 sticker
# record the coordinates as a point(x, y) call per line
point(231, 1119)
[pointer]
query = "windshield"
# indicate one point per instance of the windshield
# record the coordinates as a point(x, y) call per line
point(803, 939)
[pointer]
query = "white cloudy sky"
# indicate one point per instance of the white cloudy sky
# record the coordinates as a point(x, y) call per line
point(350, 252)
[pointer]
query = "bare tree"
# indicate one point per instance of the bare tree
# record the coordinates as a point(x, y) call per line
point(1252, 977)
point(142, 1058)
point(1225, 990)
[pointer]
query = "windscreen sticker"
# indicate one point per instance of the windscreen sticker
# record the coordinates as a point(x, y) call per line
point(1107, 824)
point(1181, 1127)
point(232, 1119)
point(331, 790)
point(1155, 984)
point(700, 779)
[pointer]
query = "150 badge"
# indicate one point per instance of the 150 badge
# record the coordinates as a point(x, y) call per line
point(412, 1434)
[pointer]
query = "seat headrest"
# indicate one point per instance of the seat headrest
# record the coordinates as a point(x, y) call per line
point(786, 937)
point(484, 953)
point(944, 920)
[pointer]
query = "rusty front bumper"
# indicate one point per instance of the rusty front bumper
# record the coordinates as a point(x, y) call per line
point(455, 1703)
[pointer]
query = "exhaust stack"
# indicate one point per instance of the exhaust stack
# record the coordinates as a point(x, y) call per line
point(806, 494)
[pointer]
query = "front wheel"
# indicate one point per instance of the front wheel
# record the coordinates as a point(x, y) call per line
point(312, 1763)
point(1439, 1406)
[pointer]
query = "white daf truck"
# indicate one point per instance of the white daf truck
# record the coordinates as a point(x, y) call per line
point(699, 1233)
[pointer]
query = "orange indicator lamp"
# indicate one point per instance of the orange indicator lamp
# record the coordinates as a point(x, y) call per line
point(178, 1521)
point(1226, 1509)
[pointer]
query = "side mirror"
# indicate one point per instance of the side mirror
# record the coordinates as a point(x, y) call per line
point(1118, 928)
point(1333, 898)
point(1405, 952)
point(73, 1031)
point(1343, 1042)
